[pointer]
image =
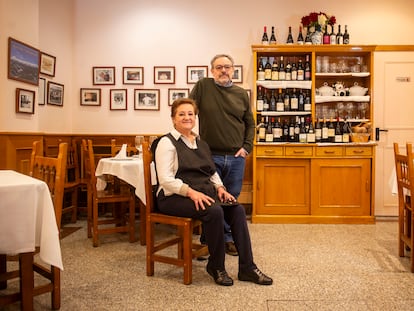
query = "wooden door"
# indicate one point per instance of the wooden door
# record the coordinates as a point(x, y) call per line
point(394, 112)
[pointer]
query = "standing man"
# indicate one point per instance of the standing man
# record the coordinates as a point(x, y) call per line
point(226, 123)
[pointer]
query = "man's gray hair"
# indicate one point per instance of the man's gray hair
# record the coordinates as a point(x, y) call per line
point(220, 56)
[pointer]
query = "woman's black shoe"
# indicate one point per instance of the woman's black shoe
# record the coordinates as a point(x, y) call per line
point(220, 277)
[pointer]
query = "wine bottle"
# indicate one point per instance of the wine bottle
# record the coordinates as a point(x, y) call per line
point(326, 39)
point(260, 70)
point(265, 101)
point(294, 104)
point(301, 71)
point(310, 136)
point(268, 70)
point(288, 71)
point(289, 39)
point(318, 131)
point(286, 101)
point(308, 39)
point(282, 73)
point(332, 35)
point(272, 36)
point(307, 68)
point(269, 131)
point(324, 131)
point(302, 131)
point(285, 131)
point(272, 105)
point(280, 104)
point(265, 39)
point(301, 101)
point(345, 132)
point(331, 132)
point(259, 99)
point(262, 131)
point(300, 37)
point(297, 129)
point(307, 105)
point(346, 35)
point(338, 132)
point(275, 70)
point(294, 75)
point(339, 36)
point(277, 131)
point(291, 130)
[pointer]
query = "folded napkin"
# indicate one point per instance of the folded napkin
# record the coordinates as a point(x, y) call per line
point(122, 154)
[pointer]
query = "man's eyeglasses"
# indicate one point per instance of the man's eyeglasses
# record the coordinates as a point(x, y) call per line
point(221, 67)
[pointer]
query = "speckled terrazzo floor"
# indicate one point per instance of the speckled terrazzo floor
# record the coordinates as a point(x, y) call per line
point(314, 267)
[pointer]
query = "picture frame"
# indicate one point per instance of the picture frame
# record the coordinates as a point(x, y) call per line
point(90, 97)
point(23, 62)
point(55, 93)
point(174, 94)
point(41, 96)
point(195, 73)
point(47, 64)
point(164, 74)
point(25, 101)
point(103, 75)
point(118, 99)
point(146, 99)
point(133, 75)
point(237, 74)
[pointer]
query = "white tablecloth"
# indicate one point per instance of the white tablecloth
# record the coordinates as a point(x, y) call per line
point(130, 170)
point(27, 218)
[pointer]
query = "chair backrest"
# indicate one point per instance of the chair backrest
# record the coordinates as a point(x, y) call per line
point(404, 169)
point(147, 159)
point(131, 150)
point(53, 172)
point(89, 165)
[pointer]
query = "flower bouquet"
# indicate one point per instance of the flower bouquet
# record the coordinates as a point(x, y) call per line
point(315, 23)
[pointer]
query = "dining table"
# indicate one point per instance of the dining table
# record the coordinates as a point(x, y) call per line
point(27, 221)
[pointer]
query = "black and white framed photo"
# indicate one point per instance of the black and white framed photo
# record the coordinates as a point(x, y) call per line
point(118, 99)
point(47, 64)
point(164, 74)
point(195, 73)
point(133, 75)
point(146, 99)
point(55, 93)
point(41, 98)
point(103, 75)
point(23, 62)
point(90, 97)
point(174, 94)
point(25, 101)
point(237, 74)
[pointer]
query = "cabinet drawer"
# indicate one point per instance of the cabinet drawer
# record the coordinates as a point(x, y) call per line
point(269, 151)
point(299, 151)
point(358, 151)
point(329, 151)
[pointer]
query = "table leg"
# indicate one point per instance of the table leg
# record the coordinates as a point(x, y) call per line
point(26, 280)
point(3, 270)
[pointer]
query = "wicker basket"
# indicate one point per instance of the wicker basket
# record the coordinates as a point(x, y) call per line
point(360, 137)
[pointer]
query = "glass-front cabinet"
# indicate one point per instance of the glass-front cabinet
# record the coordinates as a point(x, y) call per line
point(314, 149)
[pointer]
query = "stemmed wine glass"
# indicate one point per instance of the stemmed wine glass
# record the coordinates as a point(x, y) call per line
point(139, 139)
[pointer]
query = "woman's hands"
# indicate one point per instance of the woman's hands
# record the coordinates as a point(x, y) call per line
point(224, 196)
point(199, 199)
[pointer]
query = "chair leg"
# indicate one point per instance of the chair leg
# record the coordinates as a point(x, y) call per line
point(74, 205)
point(95, 237)
point(150, 248)
point(188, 256)
point(142, 223)
point(89, 212)
point(401, 222)
point(132, 219)
point(55, 278)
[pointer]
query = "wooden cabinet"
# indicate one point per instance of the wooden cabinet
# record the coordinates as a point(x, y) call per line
point(320, 182)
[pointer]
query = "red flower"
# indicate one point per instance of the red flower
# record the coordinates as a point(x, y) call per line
point(313, 19)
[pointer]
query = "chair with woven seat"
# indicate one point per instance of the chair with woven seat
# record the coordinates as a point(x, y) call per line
point(117, 199)
point(183, 240)
point(52, 171)
point(405, 180)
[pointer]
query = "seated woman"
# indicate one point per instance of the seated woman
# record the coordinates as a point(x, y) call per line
point(189, 186)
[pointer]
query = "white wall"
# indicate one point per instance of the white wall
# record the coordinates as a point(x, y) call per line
point(87, 33)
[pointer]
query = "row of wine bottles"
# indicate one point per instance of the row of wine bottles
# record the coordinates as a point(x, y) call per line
point(284, 100)
point(301, 130)
point(331, 37)
point(279, 71)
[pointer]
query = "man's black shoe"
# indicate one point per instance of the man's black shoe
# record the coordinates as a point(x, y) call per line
point(220, 277)
point(231, 249)
point(255, 276)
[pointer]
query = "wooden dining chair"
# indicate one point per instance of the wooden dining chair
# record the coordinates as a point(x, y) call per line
point(405, 181)
point(183, 240)
point(100, 225)
point(52, 171)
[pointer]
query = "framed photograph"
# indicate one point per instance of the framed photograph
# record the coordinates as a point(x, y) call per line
point(103, 75)
point(55, 93)
point(237, 74)
point(146, 99)
point(118, 99)
point(25, 101)
point(195, 73)
point(90, 97)
point(47, 64)
point(41, 96)
point(133, 75)
point(164, 75)
point(174, 94)
point(23, 62)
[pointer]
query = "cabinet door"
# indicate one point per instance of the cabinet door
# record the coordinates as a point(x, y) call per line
point(341, 187)
point(282, 187)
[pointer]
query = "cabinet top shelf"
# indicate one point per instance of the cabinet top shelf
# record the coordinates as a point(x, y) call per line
point(312, 48)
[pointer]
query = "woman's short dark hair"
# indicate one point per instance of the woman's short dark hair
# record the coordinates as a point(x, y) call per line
point(181, 101)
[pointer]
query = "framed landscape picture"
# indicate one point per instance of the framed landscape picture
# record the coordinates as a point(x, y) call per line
point(90, 97)
point(103, 75)
point(55, 92)
point(164, 75)
point(118, 99)
point(195, 73)
point(147, 99)
point(174, 94)
point(23, 62)
point(47, 64)
point(25, 101)
point(133, 75)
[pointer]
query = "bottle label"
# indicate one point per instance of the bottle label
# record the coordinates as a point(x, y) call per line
point(260, 75)
point(269, 137)
point(280, 106)
point(345, 138)
point(275, 75)
point(311, 137)
point(294, 103)
point(302, 137)
point(318, 134)
point(338, 138)
point(259, 105)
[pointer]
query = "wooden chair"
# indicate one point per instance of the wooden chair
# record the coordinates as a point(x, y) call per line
point(97, 225)
point(405, 181)
point(52, 171)
point(131, 150)
point(187, 250)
